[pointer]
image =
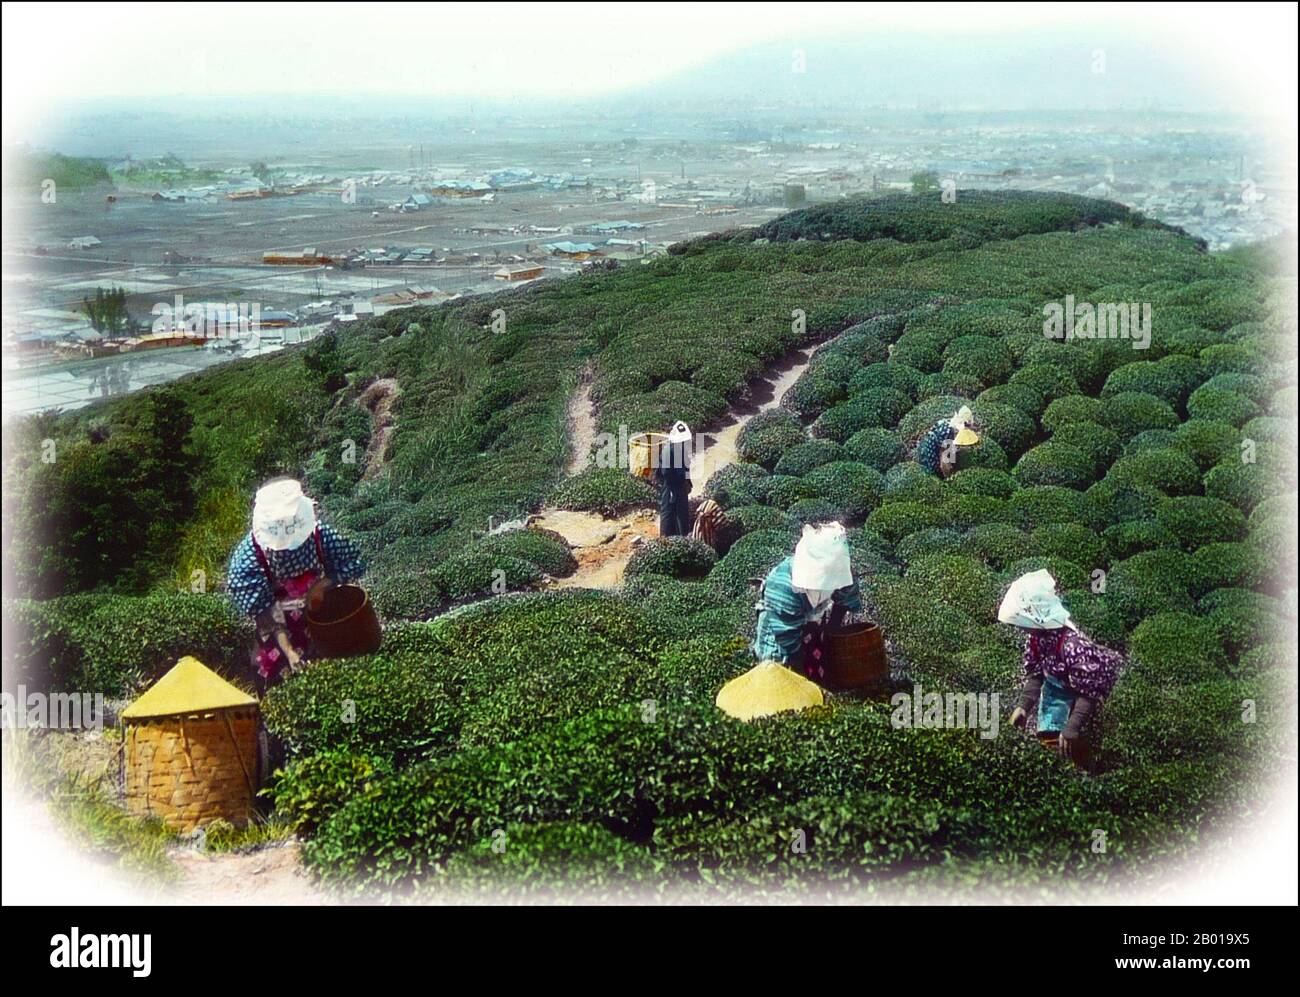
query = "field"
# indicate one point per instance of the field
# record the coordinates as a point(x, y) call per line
point(566, 741)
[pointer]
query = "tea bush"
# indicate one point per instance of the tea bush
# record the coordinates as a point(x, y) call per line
point(1097, 443)
point(1220, 405)
point(677, 557)
point(1197, 521)
point(877, 448)
point(805, 457)
point(1054, 463)
point(609, 491)
point(767, 436)
point(116, 644)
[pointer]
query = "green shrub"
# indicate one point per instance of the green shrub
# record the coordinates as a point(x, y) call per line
point(677, 557)
point(965, 511)
point(876, 447)
point(1109, 502)
point(853, 489)
point(813, 393)
point(997, 545)
point(1097, 443)
point(1177, 648)
point(1207, 442)
point(1134, 536)
point(768, 435)
point(1070, 409)
point(1010, 428)
point(1272, 530)
point(738, 484)
point(922, 418)
point(114, 644)
point(804, 457)
point(749, 518)
point(1094, 615)
point(309, 790)
point(1030, 508)
point(1148, 440)
point(1242, 485)
point(545, 549)
point(1055, 463)
point(752, 556)
point(983, 481)
point(1243, 619)
point(1228, 565)
point(1151, 582)
point(986, 453)
point(960, 581)
point(1148, 377)
point(895, 375)
point(1170, 471)
point(875, 407)
point(1219, 405)
point(480, 572)
point(1228, 358)
point(896, 520)
point(784, 491)
point(606, 490)
point(909, 482)
point(1252, 387)
point(924, 543)
point(1196, 521)
point(1068, 574)
point(1131, 412)
point(807, 512)
point(397, 704)
point(562, 858)
point(1071, 542)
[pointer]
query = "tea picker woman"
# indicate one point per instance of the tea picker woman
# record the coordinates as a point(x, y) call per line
point(813, 587)
point(671, 474)
point(286, 558)
point(1067, 675)
point(937, 450)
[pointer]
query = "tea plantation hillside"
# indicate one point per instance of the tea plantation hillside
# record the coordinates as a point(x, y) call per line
point(1158, 485)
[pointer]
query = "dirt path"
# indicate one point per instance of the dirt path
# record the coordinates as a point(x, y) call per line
point(271, 876)
point(603, 546)
point(719, 445)
point(379, 399)
point(581, 419)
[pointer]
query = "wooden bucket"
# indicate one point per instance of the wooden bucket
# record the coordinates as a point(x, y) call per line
point(640, 452)
point(343, 624)
point(856, 656)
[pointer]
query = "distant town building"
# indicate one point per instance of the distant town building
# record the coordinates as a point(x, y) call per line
point(518, 273)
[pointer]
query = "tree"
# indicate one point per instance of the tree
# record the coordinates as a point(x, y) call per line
point(108, 314)
point(924, 181)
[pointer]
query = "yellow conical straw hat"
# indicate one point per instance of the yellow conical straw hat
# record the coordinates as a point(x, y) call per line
point(190, 687)
point(765, 689)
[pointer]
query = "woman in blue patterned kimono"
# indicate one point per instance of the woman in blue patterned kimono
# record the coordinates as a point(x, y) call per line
point(1067, 675)
point(803, 593)
point(284, 561)
point(936, 451)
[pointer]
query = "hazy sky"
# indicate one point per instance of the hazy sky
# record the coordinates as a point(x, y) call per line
point(56, 51)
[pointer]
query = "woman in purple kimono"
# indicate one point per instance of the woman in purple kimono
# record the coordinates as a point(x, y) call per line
point(1067, 675)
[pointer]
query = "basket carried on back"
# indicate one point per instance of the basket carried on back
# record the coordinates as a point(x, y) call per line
point(641, 448)
point(343, 623)
point(855, 656)
point(191, 749)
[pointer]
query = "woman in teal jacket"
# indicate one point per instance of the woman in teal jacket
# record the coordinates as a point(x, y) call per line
point(803, 593)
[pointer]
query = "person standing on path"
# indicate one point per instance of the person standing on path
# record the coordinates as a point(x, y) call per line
point(671, 473)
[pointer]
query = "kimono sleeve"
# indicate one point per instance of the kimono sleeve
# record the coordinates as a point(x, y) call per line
point(246, 582)
point(343, 561)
